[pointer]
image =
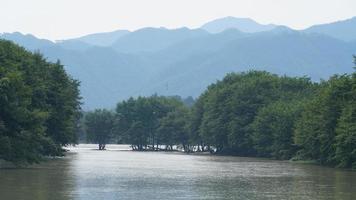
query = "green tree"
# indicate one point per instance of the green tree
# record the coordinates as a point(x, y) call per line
point(345, 144)
point(345, 155)
point(273, 130)
point(173, 129)
point(195, 120)
point(230, 106)
point(139, 119)
point(315, 130)
point(99, 126)
point(27, 104)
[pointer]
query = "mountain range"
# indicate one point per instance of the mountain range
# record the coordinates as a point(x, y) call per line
point(116, 65)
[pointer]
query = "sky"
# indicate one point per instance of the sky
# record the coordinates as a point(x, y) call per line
point(63, 19)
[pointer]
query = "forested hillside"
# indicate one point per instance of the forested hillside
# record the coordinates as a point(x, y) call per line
point(39, 106)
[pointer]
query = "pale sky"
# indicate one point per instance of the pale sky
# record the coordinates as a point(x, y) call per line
point(62, 19)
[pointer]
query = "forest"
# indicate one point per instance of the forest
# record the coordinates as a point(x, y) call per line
point(254, 113)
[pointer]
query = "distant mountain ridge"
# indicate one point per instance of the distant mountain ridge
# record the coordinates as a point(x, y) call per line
point(242, 24)
point(154, 39)
point(116, 65)
point(29, 41)
point(101, 39)
point(343, 30)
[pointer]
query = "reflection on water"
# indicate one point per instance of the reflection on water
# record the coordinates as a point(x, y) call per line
point(50, 180)
point(118, 174)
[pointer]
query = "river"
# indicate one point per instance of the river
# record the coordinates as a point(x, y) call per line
point(117, 173)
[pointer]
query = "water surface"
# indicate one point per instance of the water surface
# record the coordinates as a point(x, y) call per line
point(87, 174)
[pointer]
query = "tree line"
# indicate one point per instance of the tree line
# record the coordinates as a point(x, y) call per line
point(146, 123)
point(253, 113)
point(39, 106)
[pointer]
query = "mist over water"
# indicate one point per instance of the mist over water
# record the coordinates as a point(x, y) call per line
point(118, 173)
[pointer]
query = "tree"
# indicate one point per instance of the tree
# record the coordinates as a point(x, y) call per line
point(195, 120)
point(99, 126)
point(230, 106)
point(273, 130)
point(64, 106)
point(173, 129)
point(28, 102)
point(308, 127)
point(139, 120)
point(345, 144)
point(315, 130)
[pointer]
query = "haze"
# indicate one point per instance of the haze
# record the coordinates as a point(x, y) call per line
point(62, 19)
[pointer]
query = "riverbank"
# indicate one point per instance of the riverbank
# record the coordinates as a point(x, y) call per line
point(5, 164)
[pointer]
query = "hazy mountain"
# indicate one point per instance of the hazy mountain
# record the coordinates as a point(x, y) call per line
point(198, 45)
point(102, 39)
point(74, 45)
point(29, 41)
point(154, 39)
point(184, 61)
point(243, 24)
point(105, 75)
point(344, 30)
point(290, 53)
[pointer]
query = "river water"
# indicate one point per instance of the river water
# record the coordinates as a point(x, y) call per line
point(88, 174)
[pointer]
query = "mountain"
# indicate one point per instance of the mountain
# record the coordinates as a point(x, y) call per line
point(74, 45)
point(185, 61)
point(243, 24)
point(101, 39)
point(285, 53)
point(154, 39)
point(343, 30)
point(29, 41)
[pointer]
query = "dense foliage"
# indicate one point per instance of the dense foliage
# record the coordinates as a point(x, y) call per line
point(99, 126)
point(152, 121)
point(39, 106)
point(259, 114)
point(251, 114)
point(325, 132)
